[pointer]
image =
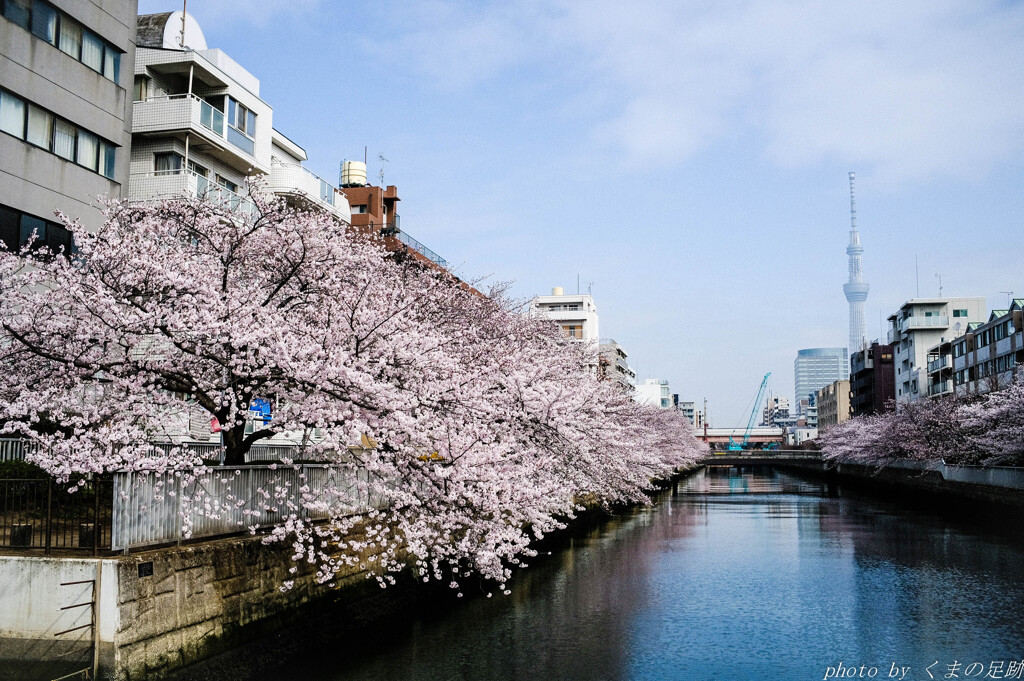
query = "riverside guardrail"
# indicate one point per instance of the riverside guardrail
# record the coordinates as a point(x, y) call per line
point(39, 513)
point(154, 509)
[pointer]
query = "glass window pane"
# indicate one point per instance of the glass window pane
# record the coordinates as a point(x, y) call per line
point(40, 126)
point(92, 51)
point(88, 146)
point(167, 163)
point(70, 37)
point(10, 229)
point(231, 112)
point(64, 140)
point(44, 22)
point(58, 238)
point(17, 11)
point(12, 115)
point(250, 124)
point(30, 225)
point(107, 159)
point(108, 63)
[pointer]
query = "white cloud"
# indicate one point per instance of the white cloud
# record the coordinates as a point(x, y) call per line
point(905, 90)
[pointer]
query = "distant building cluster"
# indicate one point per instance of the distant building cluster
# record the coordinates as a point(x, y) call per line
point(935, 347)
point(576, 314)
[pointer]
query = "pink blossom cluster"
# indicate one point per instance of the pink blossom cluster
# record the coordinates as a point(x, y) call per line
point(983, 430)
point(483, 427)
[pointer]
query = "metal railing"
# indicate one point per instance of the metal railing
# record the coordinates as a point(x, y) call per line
point(923, 322)
point(39, 513)
point(15, 449)
point(158, 509)
point(415, 245)
point(183, 182)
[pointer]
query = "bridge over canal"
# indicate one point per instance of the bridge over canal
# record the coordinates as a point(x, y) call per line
point(761, 457)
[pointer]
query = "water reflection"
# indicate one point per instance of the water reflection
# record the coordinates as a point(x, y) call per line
point(744, 573)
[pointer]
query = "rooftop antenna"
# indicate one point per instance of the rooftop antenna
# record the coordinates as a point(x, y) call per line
point(940, 283)
point(590, 288)
point(1009, 296)
point(381, 174)
point(184, 9)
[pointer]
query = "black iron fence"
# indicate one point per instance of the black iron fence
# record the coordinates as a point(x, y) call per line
point(39, 513)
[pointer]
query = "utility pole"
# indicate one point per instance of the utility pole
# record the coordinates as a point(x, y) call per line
point(705, 419)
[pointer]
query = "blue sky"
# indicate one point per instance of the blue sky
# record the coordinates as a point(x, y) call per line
point(686, 161)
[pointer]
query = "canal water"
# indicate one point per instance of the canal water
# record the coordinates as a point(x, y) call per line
point(742, 574)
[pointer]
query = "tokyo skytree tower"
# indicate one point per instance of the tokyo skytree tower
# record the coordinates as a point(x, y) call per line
point(856, 289)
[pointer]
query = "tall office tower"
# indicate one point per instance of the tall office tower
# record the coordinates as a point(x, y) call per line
point(856, 289)
point(814, 368)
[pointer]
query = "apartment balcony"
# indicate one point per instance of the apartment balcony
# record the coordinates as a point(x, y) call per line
point(296, 181)
point(203, 123)
point(940, 388)
point(939, 364)
point(178, 183)
point(918, 323)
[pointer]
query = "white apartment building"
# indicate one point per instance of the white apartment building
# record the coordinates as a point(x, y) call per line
point(200, 129)
point(654, 391)
point(613, 365)
point(919, 325)
point(576, 314)
point(199, 126)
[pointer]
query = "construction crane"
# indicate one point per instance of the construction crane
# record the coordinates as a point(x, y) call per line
point(739, 446)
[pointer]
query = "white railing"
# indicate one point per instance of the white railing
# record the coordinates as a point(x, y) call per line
point(294, 178)
point(159, 509)
point(925, 322)
point(168, 112)
point(167, 184)
point(14, 449)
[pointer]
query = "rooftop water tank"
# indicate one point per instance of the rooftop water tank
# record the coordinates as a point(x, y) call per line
point(557, 291)
point(353, 174)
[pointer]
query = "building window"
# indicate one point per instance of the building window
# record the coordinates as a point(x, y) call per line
point(959, 313)
point(167, 163)
point(39, 127)
point(140, 91)
point(359, 209)
point(62, 31)
point(18, 229)
point(573, 331)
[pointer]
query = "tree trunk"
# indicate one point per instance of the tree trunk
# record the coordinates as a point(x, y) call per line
point(235, 447)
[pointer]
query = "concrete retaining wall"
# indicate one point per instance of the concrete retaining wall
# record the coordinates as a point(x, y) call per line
point(184, 605)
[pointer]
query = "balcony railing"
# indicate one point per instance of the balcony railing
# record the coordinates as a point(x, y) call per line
point(937, 364)
point(940, 388)
point(180, 183)
point(187, 111)
point(933, 322)
point(295, 179)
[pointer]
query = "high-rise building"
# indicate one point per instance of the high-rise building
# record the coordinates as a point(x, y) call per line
point(65, 77)
point(815, 368)
point(856, 289)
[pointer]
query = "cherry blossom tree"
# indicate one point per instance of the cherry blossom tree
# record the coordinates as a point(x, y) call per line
point(976, 430)
point(482, 428)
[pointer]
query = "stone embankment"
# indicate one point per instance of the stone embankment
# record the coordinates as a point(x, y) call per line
point(211, 610)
